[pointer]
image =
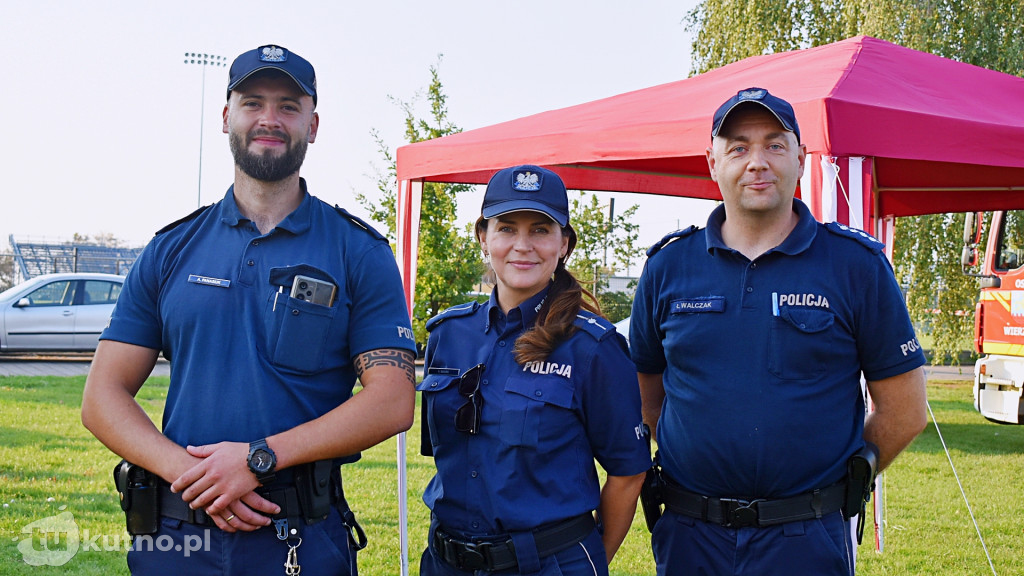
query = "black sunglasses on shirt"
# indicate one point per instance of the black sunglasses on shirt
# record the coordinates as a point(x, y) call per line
point(467, 417)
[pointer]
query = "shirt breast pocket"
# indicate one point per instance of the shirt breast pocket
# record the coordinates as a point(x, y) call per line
point(801, 343)
point(298, 331)
point(303, 335)
point(438, 412)
point(534, 408)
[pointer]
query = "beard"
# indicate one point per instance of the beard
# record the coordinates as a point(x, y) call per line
point(267, 167)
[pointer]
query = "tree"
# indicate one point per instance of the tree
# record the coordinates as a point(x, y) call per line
point(450, 264)
point(599, 231)
point(102, 239)
point(980, 32)
point(6, 271)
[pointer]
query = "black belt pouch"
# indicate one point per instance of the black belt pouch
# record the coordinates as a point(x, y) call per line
point(313, 484)
point(140, 498)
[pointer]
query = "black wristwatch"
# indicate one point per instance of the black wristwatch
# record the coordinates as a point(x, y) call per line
point(262, 461)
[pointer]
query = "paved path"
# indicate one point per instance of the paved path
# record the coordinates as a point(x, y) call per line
point(964, 372)
point(72, 365)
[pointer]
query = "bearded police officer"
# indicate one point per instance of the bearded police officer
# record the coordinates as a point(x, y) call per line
point(750, 338)
point(269, 304)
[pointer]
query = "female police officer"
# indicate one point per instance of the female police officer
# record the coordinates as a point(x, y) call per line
point(521, 394)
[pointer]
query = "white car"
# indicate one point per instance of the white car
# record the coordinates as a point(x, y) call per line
point(57, 312)
point(622, 327)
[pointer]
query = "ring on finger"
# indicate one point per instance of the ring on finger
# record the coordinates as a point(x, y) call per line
point(229, 518)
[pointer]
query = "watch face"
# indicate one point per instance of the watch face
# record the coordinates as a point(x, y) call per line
point(261, 461)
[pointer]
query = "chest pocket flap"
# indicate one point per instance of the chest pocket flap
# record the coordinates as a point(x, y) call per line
point(535, 408)
point(548, 389)
point(807, 320)
point(800, 345)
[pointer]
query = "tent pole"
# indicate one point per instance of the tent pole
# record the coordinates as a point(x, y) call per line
point(407, 226)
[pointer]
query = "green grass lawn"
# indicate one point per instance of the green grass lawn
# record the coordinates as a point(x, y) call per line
point(50, 465)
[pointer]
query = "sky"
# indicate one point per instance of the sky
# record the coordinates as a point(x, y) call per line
point(105, 120)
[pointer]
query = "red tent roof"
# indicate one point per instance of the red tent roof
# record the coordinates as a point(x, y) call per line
point(943, 134)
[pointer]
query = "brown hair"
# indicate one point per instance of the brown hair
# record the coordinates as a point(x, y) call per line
point(557, 315)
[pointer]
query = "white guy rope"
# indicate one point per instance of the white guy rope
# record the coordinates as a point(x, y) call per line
point(962, 493)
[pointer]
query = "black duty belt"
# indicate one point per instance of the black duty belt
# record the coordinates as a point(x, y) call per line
point(738, 513)
point(172, 506)
point(492, 555)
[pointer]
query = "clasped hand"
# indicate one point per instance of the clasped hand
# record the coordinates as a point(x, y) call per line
point(222, 485)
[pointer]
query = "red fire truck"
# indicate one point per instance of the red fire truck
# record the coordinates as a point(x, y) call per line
point(999, 315)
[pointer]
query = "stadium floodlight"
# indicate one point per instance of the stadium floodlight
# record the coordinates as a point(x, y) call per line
point(204, 60)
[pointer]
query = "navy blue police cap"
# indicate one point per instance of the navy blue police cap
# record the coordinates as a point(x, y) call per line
point(781, 109)
point(527, 187)
point(271, 57)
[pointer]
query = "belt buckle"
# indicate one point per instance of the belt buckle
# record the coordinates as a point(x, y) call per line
point(472, 556)
point(739, 513)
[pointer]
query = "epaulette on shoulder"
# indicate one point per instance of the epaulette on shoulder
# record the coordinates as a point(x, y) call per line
point(453, 312)
point(867, 240)
point(594, 325)
point(669, 238)
point(177, 223)
point(373, 231)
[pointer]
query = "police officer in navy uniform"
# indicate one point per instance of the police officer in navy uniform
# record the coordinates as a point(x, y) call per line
point(521, 394)
point(269, 304)
point(750, 338)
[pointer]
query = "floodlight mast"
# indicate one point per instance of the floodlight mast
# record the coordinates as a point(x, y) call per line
point(203, 60)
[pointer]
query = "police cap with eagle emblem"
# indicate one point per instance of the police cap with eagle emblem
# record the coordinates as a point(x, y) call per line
point(781, 109)
point(527, 187)
point(272, 57)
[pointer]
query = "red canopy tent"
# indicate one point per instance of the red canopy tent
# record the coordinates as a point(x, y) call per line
point(889, 132)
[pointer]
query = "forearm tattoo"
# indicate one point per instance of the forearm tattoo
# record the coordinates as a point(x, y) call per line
point(387, 357)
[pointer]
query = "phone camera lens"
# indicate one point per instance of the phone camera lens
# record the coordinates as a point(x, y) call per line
point(303, 285)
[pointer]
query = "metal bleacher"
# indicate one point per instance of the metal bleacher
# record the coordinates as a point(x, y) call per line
point(35, 258)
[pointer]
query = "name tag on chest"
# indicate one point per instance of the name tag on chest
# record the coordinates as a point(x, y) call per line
point(208, 281)
point(698, 305)
point(443, 371)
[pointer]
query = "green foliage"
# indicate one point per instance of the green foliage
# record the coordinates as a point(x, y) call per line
point(608, 243)
point(980, 32)
point(7, 271)
point(449, 261)
point(928, 250)
point(730, 30)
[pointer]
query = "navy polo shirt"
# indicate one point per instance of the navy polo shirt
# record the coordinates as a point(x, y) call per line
point(247, 360)
point(761, 360)
point(543, 424)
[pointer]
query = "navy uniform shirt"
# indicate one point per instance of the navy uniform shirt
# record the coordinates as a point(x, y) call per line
point(247, 360)
point(543, 424)
point(761, 360)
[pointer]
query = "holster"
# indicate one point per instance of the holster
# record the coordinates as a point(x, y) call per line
point(313, 484)
point(651, 498)
point(140, 499)
point(861, 469)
